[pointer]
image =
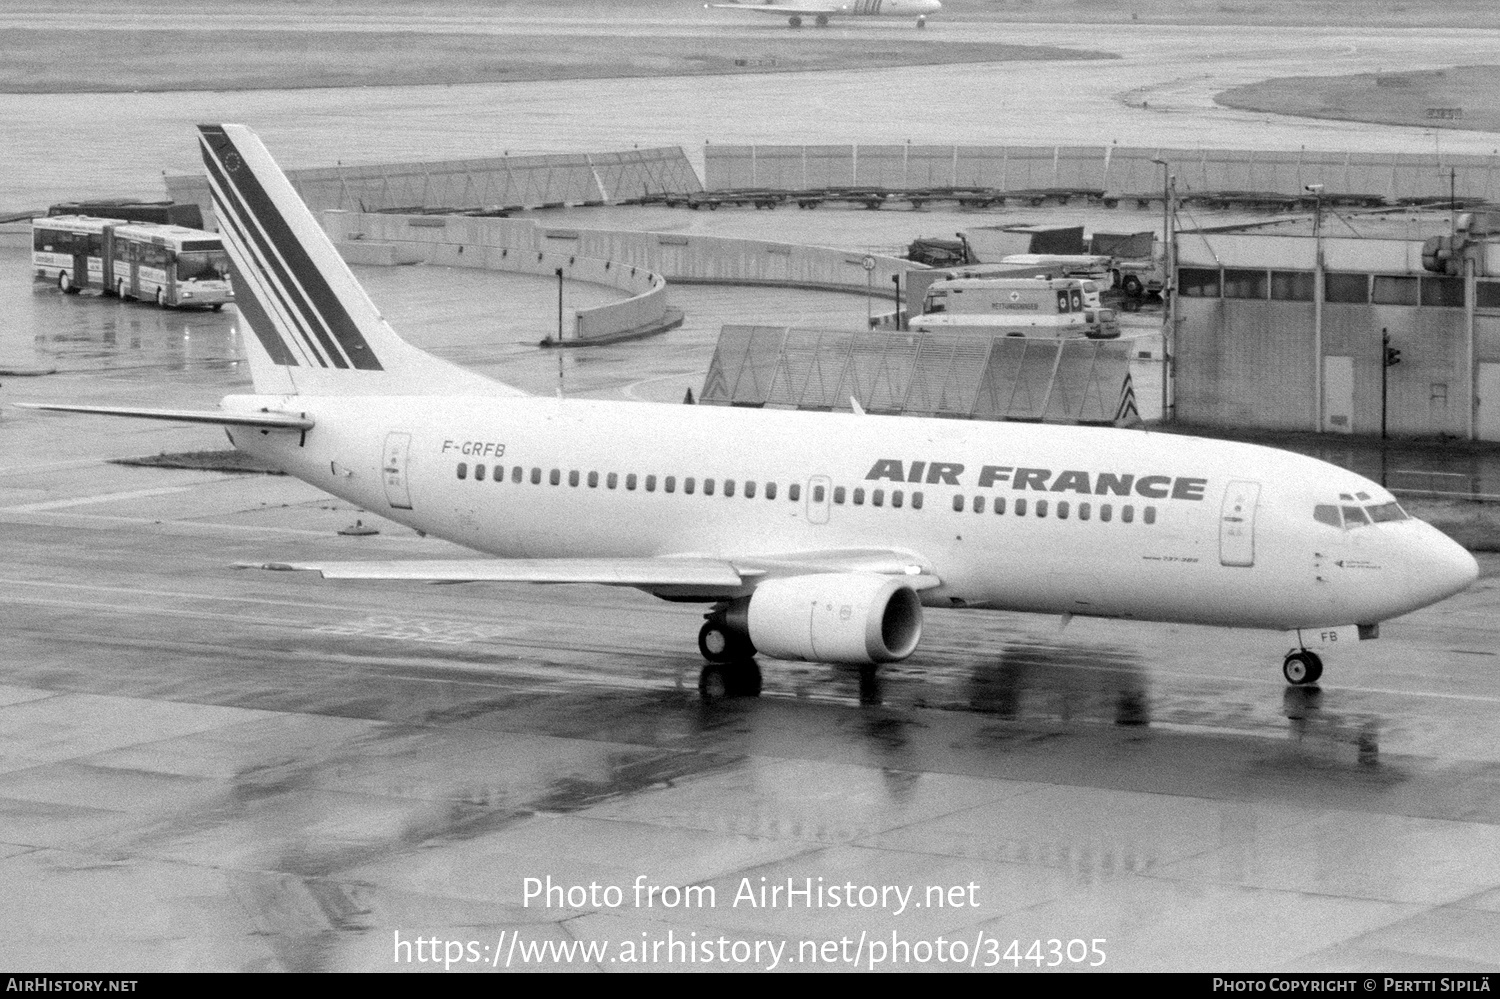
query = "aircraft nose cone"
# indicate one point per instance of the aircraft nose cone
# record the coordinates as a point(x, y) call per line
point(1443, 569)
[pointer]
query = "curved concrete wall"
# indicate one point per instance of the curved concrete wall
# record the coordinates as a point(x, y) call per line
point(638, 262)
point(501, 244)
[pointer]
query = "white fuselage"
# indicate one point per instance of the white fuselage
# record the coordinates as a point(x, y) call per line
point(1196, 531)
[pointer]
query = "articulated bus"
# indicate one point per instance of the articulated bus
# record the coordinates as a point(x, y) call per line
point(171, 265)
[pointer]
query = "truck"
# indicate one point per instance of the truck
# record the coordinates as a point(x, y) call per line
point(1049, 307)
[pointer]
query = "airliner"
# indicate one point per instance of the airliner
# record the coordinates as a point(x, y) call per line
point(821, 14)
point(807, 536)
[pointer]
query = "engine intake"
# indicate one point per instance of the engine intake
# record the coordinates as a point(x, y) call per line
point(852, 617)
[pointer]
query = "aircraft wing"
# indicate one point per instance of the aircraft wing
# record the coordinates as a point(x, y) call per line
point(776, 8)
point(701, 575)
point(265, 419)
point(646, 572)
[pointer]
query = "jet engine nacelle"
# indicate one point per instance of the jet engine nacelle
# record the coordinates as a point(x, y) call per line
point(851, 617)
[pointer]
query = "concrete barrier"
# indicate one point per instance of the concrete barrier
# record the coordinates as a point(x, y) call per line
point(1121, 171)
point(489, 183)
point(521, 247)
point(638, 262)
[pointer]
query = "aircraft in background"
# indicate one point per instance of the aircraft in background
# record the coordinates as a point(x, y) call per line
point(822, 13)
point(811, 536)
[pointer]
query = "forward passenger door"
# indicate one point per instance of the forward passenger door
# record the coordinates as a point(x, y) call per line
point(1237, 524)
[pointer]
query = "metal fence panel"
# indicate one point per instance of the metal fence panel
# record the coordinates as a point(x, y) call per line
point(968, 375)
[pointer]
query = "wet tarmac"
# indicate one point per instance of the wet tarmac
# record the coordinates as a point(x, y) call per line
point(1158, 93)
point(203, 768)
point(209, 769)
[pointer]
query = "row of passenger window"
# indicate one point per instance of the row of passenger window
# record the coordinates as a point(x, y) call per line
point(669, 483)
point(631, 481)
point(1062, 509)
point(856, 496)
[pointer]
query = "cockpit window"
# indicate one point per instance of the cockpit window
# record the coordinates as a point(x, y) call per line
point(1350, 517)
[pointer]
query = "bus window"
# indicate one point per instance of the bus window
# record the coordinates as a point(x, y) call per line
point(202, 265)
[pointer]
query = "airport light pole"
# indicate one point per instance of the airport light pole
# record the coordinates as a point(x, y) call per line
point(1319, 293)
point(1168, 285)
point(896, 280)
point(559, 332)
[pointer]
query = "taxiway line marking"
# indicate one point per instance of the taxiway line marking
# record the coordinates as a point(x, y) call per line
point(89, 500)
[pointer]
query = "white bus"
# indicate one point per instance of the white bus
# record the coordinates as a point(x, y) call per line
point(170, 265)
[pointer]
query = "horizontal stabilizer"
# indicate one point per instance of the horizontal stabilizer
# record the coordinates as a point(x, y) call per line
point(607, 571)
point(265, 420)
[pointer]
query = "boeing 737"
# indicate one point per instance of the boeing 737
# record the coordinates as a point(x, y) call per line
point(822, 13)
point(809, 536)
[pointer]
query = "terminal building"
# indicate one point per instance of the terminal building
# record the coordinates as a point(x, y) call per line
point(1289, 325)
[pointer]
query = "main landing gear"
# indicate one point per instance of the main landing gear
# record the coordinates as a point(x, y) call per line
point(1302, 667)
point(731, 670)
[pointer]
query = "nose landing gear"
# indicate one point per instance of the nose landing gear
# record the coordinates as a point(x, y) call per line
point(1302, 667)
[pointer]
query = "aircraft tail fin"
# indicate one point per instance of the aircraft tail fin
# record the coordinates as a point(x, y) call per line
point(315, 331)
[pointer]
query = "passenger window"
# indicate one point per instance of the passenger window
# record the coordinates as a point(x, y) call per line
point(573, 477)
point(593, 480)
point(463, 470)
point(555, 477)
point(978, 504)
point(1041, 508)
point(877, 497)
point(1062, 509)
point(611, 480)
point(916, 500)
point(1127, 513)
point(630, 481)
point(688, 484)
point(478, 473)
point(499, 473)
point(516, 474)
point(1355, 517)
point(838, 495)
point(896, 497)
point(670, 484)
point(958, 503)
point(794, 491)
point(999, 504)
point(859, 496)
point(750, 489)
point(1105, 511)
point(1083, 511)
point(728, 487)
point(1020, 508)
point(770, 490)
point(650, 483)
point(1150, 515)
point(708, 487)
point(818, 494)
